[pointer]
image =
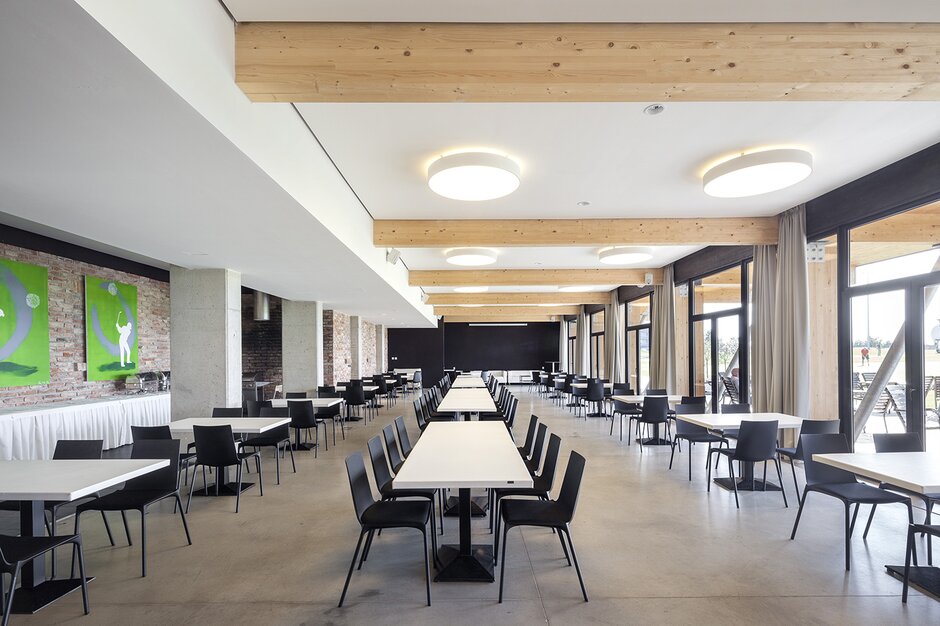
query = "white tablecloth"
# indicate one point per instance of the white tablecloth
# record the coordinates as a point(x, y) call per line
point(31, 433)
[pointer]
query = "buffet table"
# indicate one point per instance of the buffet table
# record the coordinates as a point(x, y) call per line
point(31, 432)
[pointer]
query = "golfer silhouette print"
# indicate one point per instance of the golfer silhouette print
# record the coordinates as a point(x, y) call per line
point(125, 332)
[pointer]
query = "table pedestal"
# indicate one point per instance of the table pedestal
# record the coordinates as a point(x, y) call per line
point(747, 482)
point(301, 447)
point(925, 579)
point(655, 440)
point(466, 562)
point(36, 592)
point(226, 486)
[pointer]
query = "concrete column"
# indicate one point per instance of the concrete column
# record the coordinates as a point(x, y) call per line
point(302, 345)
point(355, 346)
point(205, 341)
point(381, 350)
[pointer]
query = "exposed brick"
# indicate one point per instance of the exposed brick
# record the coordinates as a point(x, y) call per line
point(261, 344)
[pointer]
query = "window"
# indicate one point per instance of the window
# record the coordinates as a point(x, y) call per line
point(638, 314)
point(597, 344)
point(572, 345)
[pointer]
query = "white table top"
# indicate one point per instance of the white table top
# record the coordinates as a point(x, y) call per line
point(64, 481)
point(342, 388)
point(467, 400)
point(917, 471)
point(463, 454)
point(318, 403)
point(724, 421)
point(639, 399)
point(247, 425)
point(585, 385)
point(468, 383)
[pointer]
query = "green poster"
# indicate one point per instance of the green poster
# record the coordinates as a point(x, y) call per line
point(110, 329)
point(24, 324)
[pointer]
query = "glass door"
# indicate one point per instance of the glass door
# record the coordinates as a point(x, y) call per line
point(930, 359)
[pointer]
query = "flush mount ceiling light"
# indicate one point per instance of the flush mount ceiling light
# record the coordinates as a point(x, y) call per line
point(577, 288)
point(757, 173)
point(623, 255)
point(471, 289)
point(470, 256)
point(473, 176)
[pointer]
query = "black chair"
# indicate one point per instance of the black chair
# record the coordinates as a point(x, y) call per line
point(383, 480)
point(304, 417)
point(840, 484)
point(655, 413)
point(654, 392)
point(534, 461)
point(215, 447)
point(555, 514)
point(253, 408)
point(15, 552)
point(277, 438)
point(809, 427)
point(757, 441)
point(693, 433)
point(222, 411)
point(732, 433)
point(541, 483)
point(534, 380)
point(150, 433)
point(394, 456)
point(139, 494)
point(294, 395)
point(333, 414)
point(354, 396)
point(621, 410)
point(375, 516)
point(906, 442)
point(595, 394)
point(403, 440)
point(526, 448)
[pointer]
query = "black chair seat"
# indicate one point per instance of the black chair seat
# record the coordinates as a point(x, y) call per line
point(702, 438)
point(125, 500)
point(790, 453)
point(262, 441)
point(534, 513)
point(859, 492)
point(388, 491)
point(401, 513)
point(26, 548)
point(538, 489)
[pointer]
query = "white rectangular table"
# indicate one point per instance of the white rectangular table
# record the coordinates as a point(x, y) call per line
point(464, 455)
point(728, 421)
point(342, 388)
point(467, 401)
point(246, 425)
point(34, 482)
point(470, 382)
point(916, 471)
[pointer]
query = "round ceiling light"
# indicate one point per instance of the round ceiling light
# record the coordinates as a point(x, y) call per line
point(578, 288)
point(757, 173)
point(471, 289)
point(470, 256)
point(623, 255)
point(473, 176)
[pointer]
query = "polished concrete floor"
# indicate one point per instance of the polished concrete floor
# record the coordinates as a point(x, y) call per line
point(654, 548)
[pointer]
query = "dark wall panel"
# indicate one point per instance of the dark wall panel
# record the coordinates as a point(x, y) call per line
point(500, 347)
point(418, 347)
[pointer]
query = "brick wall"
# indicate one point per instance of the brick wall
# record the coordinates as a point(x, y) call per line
point(261, 343)
point(337, 352)
point(67, 329)
point(368, 355)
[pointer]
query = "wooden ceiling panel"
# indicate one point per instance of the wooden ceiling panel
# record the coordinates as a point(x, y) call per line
point(509, 278)
point(534, 298)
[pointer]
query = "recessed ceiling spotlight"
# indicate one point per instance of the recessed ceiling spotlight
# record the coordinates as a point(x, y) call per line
point(470, 256)
point(474, 176)
point(584, 203)
point(654, 109)
point(577, 288)
point(622, 255)
point(756, 173)
point(471, 289)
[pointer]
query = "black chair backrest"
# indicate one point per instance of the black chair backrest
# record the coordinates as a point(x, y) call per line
point(897, 442)
point(655, 409)
point(380, 468)
point(379, 381)
point(622, 389)
point(403, 440)
point(536, 457)
point(302, 415)
point(359, 484)
point(252, 408)
point(530, 434)
point(221, 411)
point(354, 395)
point(757, 441)
point(322, 389)
point(417, 377)
point(693, 399)
point(688, 428)
point(595, 390)
point(142, 433)
point(819, 473)
point(551, 461)
point(817, 427)
point(215, 445)
point(736, 408)
point(78, 449)
point(654, 392)
point(571, 485)
point(295, 394)
point(535, 376)
point(277, 411)
point(388, 433)
point(165, 479)
point(328, 412)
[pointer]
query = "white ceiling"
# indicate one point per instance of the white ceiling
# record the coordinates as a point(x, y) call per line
point(97, 147)
point(587, 10)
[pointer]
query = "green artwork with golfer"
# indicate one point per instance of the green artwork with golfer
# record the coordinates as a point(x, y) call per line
point(24, 324)
point(110, 329)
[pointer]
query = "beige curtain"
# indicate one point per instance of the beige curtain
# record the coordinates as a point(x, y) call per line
point(789, 390)
point(614, 339)
point(582, 359)
point(663, 335)
point(763, 291)
point(563, 346)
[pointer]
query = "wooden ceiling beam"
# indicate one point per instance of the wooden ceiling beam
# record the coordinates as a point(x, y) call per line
point(507, 311)
point(576, 232)
point(586, 62)
point(500, 319)
point(556, 297)
point(522, 278)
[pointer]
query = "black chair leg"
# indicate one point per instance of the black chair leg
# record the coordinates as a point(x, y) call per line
point(238, 486)
point(672, 454)
point(183, 517)
point(799, 513)
point(290, 451)
point(796, 485)
point(107, 527)
point(871, 516)
point(689, 450)
point(127, 528)
point(143, 543)
point(564, 548)
point(260, 481)
point(352, 564)
point(81, 573)
point(848, 535)
point(192, 485)
point(574, 556)
point(907, 563)
point(502, 565)
point(365, 549)
point(427, 562)
point(854, 517)
point(780, 478)
point(734, 482)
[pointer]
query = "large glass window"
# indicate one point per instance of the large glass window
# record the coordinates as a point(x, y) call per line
point(638, 313)
point(572, 345)
point(597, 344)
